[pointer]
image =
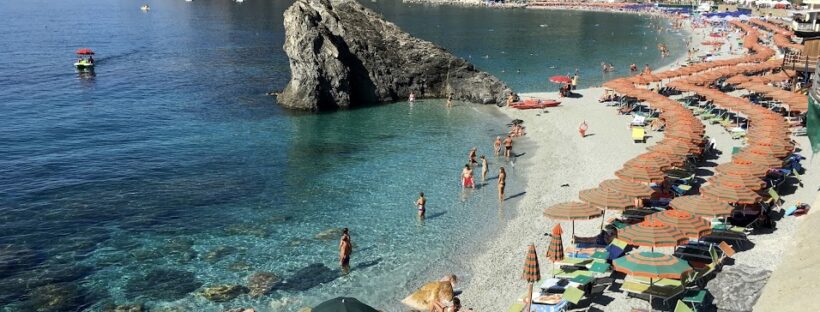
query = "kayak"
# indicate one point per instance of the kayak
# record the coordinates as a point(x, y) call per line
point(534, 104)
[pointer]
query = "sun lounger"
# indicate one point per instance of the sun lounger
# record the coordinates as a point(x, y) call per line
point(665, 293)
point(797, 176)
point(774, 198)
point(568, 272)
point(658, 281)
point(682, 307)
point(639, 134)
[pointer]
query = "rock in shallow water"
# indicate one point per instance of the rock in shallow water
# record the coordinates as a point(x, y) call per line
point(737, 288)
point(343, 54)
point(308, 277)
point(218, 253)
point(162, 284)
point(14, 258)
point(223, 293)
point(134, 307)
point(329, 234)
point(56, 298)
point(261, 283)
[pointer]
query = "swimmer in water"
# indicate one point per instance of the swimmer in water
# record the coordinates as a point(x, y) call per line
point(421, 204)
point(484, 168)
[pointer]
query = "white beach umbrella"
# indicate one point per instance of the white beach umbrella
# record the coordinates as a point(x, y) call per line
point(743, 17)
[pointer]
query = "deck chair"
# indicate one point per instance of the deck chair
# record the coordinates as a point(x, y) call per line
point(682, 307)
point(728, 251)
point(774, 199)
point(573, 295)
point(797, 176)
point(616, 248)
point(639, 134)
point(640, 289)
point(517, 307)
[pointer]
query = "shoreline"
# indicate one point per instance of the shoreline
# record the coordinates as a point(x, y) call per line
point(600, 155)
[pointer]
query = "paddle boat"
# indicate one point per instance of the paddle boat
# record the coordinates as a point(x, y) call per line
point(82, 63)
point(534, 104)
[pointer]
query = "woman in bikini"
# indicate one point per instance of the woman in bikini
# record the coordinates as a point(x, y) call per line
point(484, 168)
point(502, 179)
point(497, 146)
point(471, 156)
point(421, 203)
point(467, 177)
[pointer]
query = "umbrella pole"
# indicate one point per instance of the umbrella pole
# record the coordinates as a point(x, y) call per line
point(529, 297)
point(573, 232)
point(603, 218)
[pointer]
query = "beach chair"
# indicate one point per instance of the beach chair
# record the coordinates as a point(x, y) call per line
point(682, 307)
point(573, 295)
point(797, 176)
point(665, 293)
point(774, 198)
point(728, 251)
point(616, 248)
point(639, 134)
point(517, 307)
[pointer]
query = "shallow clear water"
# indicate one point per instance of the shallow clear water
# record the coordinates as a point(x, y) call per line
point(170, 170)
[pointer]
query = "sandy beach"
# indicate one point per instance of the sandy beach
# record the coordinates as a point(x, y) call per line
point(558, 163)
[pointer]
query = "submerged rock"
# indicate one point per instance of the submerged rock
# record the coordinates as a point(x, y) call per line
point(223, 293)
point(343, 54)
point(329, 234)
point(737, 288)
point(308, 277)
point(162, 284)
point(261, 283)
point(239, 266)
point(247, 229)
point(134, 307)
point(56, 297)
point(218, 253)
point(180, 249)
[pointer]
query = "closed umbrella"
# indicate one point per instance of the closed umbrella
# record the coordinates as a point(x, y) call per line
point(343, 304)
point(606, 199)
point(692, 226)
point(573, 211)
point(652, 234)
point(532, 272)
point(556, 250)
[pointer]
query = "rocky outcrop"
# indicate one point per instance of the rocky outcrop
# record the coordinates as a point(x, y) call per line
point(344, 55)
point(737, 288)
point(223, 293)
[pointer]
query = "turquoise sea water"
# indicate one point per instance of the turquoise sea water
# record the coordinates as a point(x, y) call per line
point(170, 170)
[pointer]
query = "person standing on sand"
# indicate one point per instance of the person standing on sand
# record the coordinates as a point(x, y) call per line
point(467, 177)
point(497, 145)
point(582, 129)
point(502, 180)
point(345, 249)
point(484, 168)
point(508, 147)
point(575, 82)
point(421, 203)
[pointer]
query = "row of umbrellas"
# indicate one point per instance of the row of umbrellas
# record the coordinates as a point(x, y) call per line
point(688, 217)
point(781, 35)
point(779, 76)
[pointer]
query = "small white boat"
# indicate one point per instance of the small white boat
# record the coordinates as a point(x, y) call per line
point(145, 8)
point(239, 1)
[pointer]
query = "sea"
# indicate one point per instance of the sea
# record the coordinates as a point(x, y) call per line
point(168, 170)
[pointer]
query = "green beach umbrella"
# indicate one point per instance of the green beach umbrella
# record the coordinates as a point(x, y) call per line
point(343, 304)
point(651, 265)
point(813, 124)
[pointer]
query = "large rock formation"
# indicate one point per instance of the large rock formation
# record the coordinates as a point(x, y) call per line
point(344, 55)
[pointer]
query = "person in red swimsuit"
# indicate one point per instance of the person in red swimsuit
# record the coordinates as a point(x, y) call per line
point(467, 177)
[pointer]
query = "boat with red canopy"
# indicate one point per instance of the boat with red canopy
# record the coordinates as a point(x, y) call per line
point(84, 63)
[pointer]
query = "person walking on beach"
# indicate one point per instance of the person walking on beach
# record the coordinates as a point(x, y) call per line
point(345, 249)
point(508, 147)
point(467, 177)
point(497, 145)
point(502, 180)
point(574, 82)
point(582, 129)
point(471, 156)
point(421, 204)
point(484, 169)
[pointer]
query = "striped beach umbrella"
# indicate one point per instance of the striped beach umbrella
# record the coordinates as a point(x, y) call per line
point(751, 182)
point(532, 272)
point(606, 199)
point(556, 250)
point(744, 158)
point(748, 169)
point(651, 265)
point(701, 206)
point(648, 162)
point(573, 211)
point(627, 188)
point(652, 234)
point(692, 226)
point(727, 194)
point(671, 149)
point(768, 150)
point(640, 174)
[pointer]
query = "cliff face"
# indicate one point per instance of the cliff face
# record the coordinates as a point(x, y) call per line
point(343, 54)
